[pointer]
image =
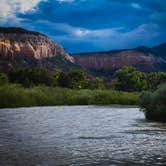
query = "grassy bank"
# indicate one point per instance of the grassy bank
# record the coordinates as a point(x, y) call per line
point(16, 96)
point(154, 104)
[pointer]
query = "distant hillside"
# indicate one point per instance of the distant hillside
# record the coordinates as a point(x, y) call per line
point(105, 63)
point(23, 48)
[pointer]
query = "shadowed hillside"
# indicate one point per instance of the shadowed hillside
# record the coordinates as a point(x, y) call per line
point(105, 63)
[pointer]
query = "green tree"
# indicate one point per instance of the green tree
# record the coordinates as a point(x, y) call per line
point(155, 79)
point(63, 80)
point(129, 79)
point(77, 79)
point(3, 79)
point(72, 79)
point(29, 77)
point(95, 83)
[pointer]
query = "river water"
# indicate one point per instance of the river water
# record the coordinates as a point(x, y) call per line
point(80, 136)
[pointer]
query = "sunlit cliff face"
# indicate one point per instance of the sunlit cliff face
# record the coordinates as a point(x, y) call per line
point(32, 45)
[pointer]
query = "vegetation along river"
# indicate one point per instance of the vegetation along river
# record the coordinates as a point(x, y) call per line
point(80, 136)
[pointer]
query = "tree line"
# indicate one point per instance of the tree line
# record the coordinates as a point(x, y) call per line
point(29, 77)
point(125, 79)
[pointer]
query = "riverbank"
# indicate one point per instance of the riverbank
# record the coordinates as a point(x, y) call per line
point(17, 96)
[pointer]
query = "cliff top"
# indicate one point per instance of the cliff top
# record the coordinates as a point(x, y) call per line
point(18, 30)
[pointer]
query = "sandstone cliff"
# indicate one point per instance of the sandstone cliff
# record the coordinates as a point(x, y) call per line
point(26, 46)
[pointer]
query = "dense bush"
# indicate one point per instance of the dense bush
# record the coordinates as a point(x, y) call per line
point(16, 96)
point(154, 104)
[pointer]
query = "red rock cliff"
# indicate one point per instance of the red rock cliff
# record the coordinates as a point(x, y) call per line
point(142, 58)
point(116, 60)
point(23, 48)
point(20, 42)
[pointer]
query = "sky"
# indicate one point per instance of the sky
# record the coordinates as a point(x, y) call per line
point(90, 25)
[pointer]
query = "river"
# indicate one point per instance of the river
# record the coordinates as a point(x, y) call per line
point(80, 136)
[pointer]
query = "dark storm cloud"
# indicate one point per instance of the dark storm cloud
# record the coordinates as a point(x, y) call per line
point(89, 25)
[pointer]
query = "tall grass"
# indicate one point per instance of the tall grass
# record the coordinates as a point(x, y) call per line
point(16, 96)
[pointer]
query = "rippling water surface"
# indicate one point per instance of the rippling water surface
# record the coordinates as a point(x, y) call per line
point(80, 136)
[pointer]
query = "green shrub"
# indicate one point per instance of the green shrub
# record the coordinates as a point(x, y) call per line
point(154, 104)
